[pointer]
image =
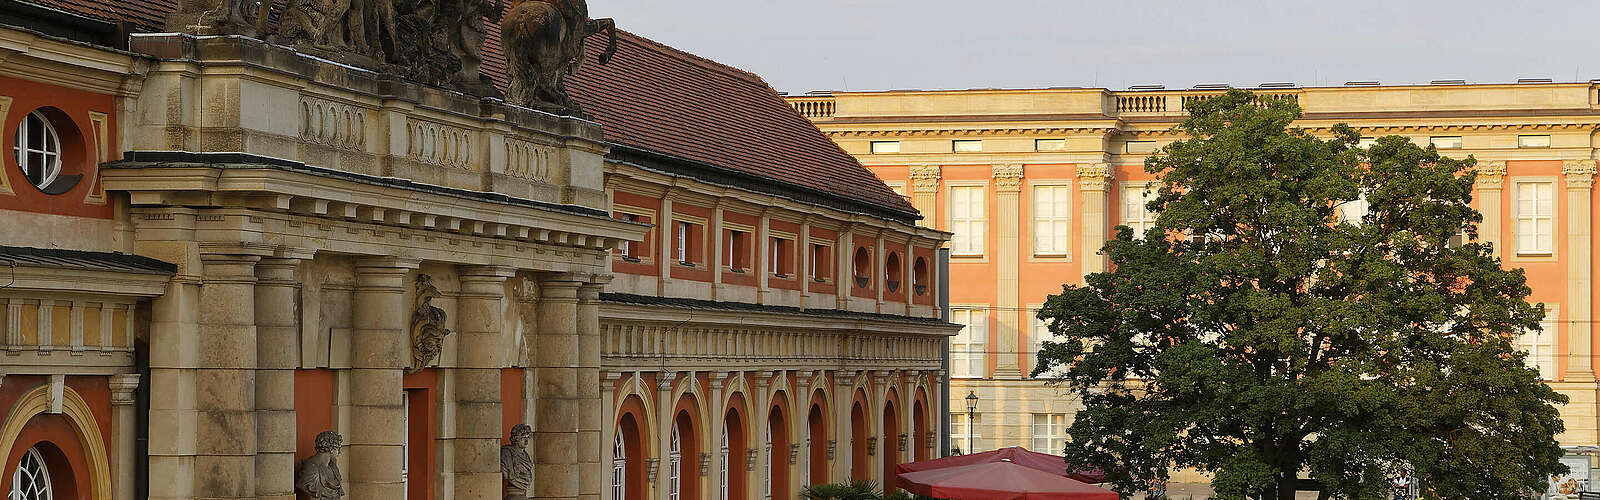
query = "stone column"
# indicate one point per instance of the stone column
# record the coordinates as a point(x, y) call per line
point(1008, 190)
point(1579, 176)
point(608, 432)
point(757, 440)
point(925, 193)
point(843, 399)
point(1491, 177)
point(123, 433)
point(1093, 181)
point(664, 418)
point(380, 351)
point(555, 434)
point(480, 322)
point(716, 421)
point(174, 330)
point(277, 355)
point(224, 379)
point(593, 472)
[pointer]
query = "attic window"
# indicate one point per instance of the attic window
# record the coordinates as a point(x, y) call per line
point(883, 147)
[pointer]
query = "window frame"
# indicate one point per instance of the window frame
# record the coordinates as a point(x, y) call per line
point(1037, 143)
point(1147, 218)
point(1545, 341)
point(53, 164)
point(973, 342)
point(1434, 141)
point(1055, 434)
point(974, 247)
point(1522, 145)
point(872, 147)
point(956, 145)
point(1055, 188)
point(1518, 218)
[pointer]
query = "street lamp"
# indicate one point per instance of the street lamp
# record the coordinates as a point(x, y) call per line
point(972, 409)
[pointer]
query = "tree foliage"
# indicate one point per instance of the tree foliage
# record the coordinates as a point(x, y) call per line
point(1254, 335)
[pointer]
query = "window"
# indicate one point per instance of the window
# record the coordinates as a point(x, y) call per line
point(898, 188)
point(682, 248)
point(736, 253)
point(1541, 345)
point(1049, 144)
point(861, 267)
point(892, 272)
point(1535, 218)
point(405, 442)
point(1354, 210)
point(966, 220)
point(821, 262)
point(1052, 219)
point(674, 465)
point(882, 147)
point(1049, 432)
point(31, 481)
point(919, 276)
point(1533, 141)
point(766, 465)
point(1366, 142)
point(780, 262)
point(723, 493)
point(1038, 334)
point(1139, 147)
point(967, 348)
point(619, 469)
point(1446, 142)
point(1135, 207)
point(966, 146)
point(627, 249)
point(38, 149)
point(964, 433)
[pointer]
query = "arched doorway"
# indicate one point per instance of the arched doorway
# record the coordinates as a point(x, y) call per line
point(629, 479)
point(734, 442)
point(816, 442)
point(778, 454)
point(919, 428)
point(891, 442)
point(859, 469)
point(683, 459)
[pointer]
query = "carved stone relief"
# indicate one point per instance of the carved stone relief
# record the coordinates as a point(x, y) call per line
point(319, 477)
point(439, 144)
point(526, 160)
point(332, 124)
point(544, 42)
point(427, 325)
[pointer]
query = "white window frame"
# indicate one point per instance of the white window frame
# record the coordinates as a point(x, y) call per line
point(966, 146)
point(1529, 215)
point(969, 347)
point(1354, 211)
point(1449, 141)
point(405, 443)
point(970, 225)
point(674, 464)
point(1052, 229)
point(1541, 345)
point(33, 472)
point(966, 433)
point(1140, 218)
point(681, 254)
point(723, 474)
point(51, 154)
point(1049, 432)
point(1047, 145)
point(1533, 141)
point(884, 147)
point(619, 468)
point(1140, 147)
point(766, 465)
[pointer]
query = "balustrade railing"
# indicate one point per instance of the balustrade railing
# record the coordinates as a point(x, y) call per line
point(813, 107)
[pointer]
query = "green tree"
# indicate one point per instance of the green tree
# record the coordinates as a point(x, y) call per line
point(1254, 335)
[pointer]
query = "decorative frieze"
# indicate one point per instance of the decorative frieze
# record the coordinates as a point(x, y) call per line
point(526, 160)
point(439, 144)
point(752, 348)
point(332, 124)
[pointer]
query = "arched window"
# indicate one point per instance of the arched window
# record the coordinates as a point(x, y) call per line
point(919, 276)
point(674, 462)
point(862, 265)
point(724, 473)
point(892, 272)
point(31, 481)
point(38, 149)
point(619, 469)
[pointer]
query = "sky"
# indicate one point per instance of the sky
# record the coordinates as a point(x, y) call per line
point(952, 44)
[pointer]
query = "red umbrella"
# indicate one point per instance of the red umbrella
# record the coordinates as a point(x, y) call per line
point(1015, 454)
point(999, 481)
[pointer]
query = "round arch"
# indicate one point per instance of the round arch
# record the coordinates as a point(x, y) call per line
point(83, 424)
point(778, 430)
point(921, 437)
point(633, 429)
point(736, 426)
point(817, 432)
point(860, 429)
point(687, 421)
point(891, 438)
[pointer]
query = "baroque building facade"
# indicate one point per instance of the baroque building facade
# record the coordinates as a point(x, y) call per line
point(227, 260)
point(1032, 183)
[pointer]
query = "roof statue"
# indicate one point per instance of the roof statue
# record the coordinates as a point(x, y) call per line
point(544, 42)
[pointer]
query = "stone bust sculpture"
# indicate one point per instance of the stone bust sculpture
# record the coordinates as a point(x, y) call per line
point(516, 468)
point(319, 477)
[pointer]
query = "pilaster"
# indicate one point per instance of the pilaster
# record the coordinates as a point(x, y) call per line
point(1008, 190)
point(1093, 182)
point(480, 313)
point(277, 355)
point(379, 352)
point(556, 358)
point(593, 471)
point(224, 379)
point(665, 227)
point(925, 192)
point(1579, 177)
point(1491, 178)
point(762, 479)
point(124, 433)
point(664, 422)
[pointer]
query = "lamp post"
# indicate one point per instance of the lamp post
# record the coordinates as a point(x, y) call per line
point(972, 410)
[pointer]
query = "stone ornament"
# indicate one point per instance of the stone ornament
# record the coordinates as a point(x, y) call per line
point(652, 467)
point(794, 453)
point(832, 445)
point(903, 439)
point(319, 477)
point(544, 42)
point(427, 326)
point(872, 446)
point(705, 463)
point(750, 459)
point(516, 467)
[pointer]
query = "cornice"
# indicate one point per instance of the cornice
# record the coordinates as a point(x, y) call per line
point(49, 60)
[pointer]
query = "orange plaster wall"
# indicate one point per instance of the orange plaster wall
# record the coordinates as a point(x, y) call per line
point(423, 388)
point(80, 154)
point(510, 401)
point(698, 243)
point(313, 409)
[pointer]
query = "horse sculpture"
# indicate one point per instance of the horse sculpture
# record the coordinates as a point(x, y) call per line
point(544, 42)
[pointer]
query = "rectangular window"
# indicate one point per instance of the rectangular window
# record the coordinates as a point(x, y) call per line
point(1049, 432)
point(1135, 212)
point(736, 252)
point(780, 262)
point(1139, 147)
point(681, 249)
point(1049, 144)
point(1366, 142)
point(1535, 218)
point(964, 433)
point(883, 147)
point(1541, 345)
point(966, 146)
point(1052, 219)
point(627, 249)
point(1533, 141)
point(821, 262)
point(966, 220)
point(1446, 142)
point(968, 347)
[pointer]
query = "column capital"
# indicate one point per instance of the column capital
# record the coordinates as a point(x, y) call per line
point(1095, 177)
point(122, 387)
point(1579, 174)
point(925, 177)
point(1491, 174)
point(665, 379)
point(1007, 178)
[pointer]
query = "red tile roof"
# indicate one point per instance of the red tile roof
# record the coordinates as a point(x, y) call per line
point(662, 100)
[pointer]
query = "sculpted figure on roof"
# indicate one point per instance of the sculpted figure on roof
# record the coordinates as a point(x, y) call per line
point(219, 17)
point(544, 42)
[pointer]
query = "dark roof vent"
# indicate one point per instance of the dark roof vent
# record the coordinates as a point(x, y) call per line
point(1213, 86)
point(1362, 83)
point(1147, 87)
point(1535, 80)
point(1278, 85)
point(1448, 82)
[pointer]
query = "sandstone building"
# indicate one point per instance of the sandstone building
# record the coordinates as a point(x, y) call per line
point(216, 248)
point(1031, 183)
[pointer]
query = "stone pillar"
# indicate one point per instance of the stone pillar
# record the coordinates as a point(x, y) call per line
point(1579, 176)
point(665, 227)
point(1008, 190)
point(803, 270)
point(608, 432)
point(716, 421)
point(664, 418)
point(1491, 177)
point(843, 399)
point(224, 379)
point(380, 351)
point(555, 434)
point(714, 229)
point(762, 265)
point(1093, 182)
point(844, 257)
point(277, 355)
point(174, 328)
point(593, 472)
point(925, 193)
point(124, 434)
point(480, 322)
point(757, 439)
point(880, 271)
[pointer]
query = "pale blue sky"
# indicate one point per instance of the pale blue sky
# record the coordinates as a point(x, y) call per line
point(889, 44)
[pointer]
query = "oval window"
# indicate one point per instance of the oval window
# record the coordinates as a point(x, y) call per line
point(892, 272)
point(863, 267)
point(919, 276)
point(48, 149)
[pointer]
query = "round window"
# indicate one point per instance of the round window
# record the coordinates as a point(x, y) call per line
point(38, 149)
point(31, 481)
